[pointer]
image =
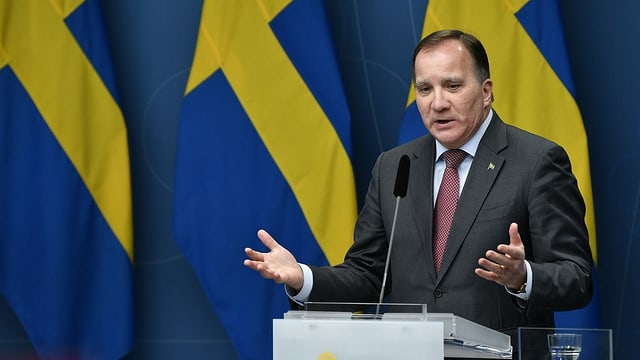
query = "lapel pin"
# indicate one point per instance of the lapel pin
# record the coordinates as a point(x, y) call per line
point(491, 166)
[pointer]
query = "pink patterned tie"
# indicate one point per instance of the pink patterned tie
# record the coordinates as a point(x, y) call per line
point(446, 204)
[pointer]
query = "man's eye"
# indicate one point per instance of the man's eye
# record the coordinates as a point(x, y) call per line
point(424, 89)
point(454, 86)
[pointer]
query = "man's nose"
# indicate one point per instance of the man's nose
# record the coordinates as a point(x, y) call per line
point(440, 101)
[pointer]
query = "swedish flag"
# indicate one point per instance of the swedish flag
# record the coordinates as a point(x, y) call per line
point(533, 89)
point(66, 239)
point(264, 142)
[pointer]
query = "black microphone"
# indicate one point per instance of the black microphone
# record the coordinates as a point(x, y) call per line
point(399, 191)
point(402, 177)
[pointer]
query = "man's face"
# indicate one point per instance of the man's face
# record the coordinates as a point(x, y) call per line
point(451, 101)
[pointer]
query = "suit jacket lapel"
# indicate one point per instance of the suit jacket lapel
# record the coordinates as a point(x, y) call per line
point(482, 174)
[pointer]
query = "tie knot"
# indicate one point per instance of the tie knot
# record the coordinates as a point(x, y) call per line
point(454, 157)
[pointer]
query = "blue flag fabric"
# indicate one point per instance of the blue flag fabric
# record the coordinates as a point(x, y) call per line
point(530, 67)
point(66, 234)
point(264, 142)
point(543, 23)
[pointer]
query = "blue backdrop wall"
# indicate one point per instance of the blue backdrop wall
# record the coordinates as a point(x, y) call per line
point(152, 43)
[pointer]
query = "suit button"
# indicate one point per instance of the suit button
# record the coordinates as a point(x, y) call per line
point(437, 293)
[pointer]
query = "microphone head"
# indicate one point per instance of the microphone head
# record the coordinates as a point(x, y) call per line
point(402, 177)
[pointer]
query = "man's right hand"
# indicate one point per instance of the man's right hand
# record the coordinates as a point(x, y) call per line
point(278, 264)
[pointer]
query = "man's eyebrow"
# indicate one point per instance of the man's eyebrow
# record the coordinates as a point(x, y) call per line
point(446, 80)
point(452, 79)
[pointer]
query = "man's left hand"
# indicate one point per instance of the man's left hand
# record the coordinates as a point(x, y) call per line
point(505, 265)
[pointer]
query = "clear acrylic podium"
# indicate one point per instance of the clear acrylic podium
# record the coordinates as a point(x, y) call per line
point(382, 331)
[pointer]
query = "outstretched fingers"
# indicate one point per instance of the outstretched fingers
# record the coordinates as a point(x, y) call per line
point(267, 240)
point(505, 265)
point(277, 264)
point(257, 257)
point(515, 249)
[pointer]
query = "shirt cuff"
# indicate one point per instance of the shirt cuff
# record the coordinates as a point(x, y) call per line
point(307, 285)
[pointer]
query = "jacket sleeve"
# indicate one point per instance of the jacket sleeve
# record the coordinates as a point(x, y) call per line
point(558, 240)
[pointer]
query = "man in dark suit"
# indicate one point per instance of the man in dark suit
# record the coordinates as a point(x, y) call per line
point(517, 249)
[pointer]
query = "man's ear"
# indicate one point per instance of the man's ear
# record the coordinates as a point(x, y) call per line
point(487, 90)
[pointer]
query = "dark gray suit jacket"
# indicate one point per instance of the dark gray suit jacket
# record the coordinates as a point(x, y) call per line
point(515, 177)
